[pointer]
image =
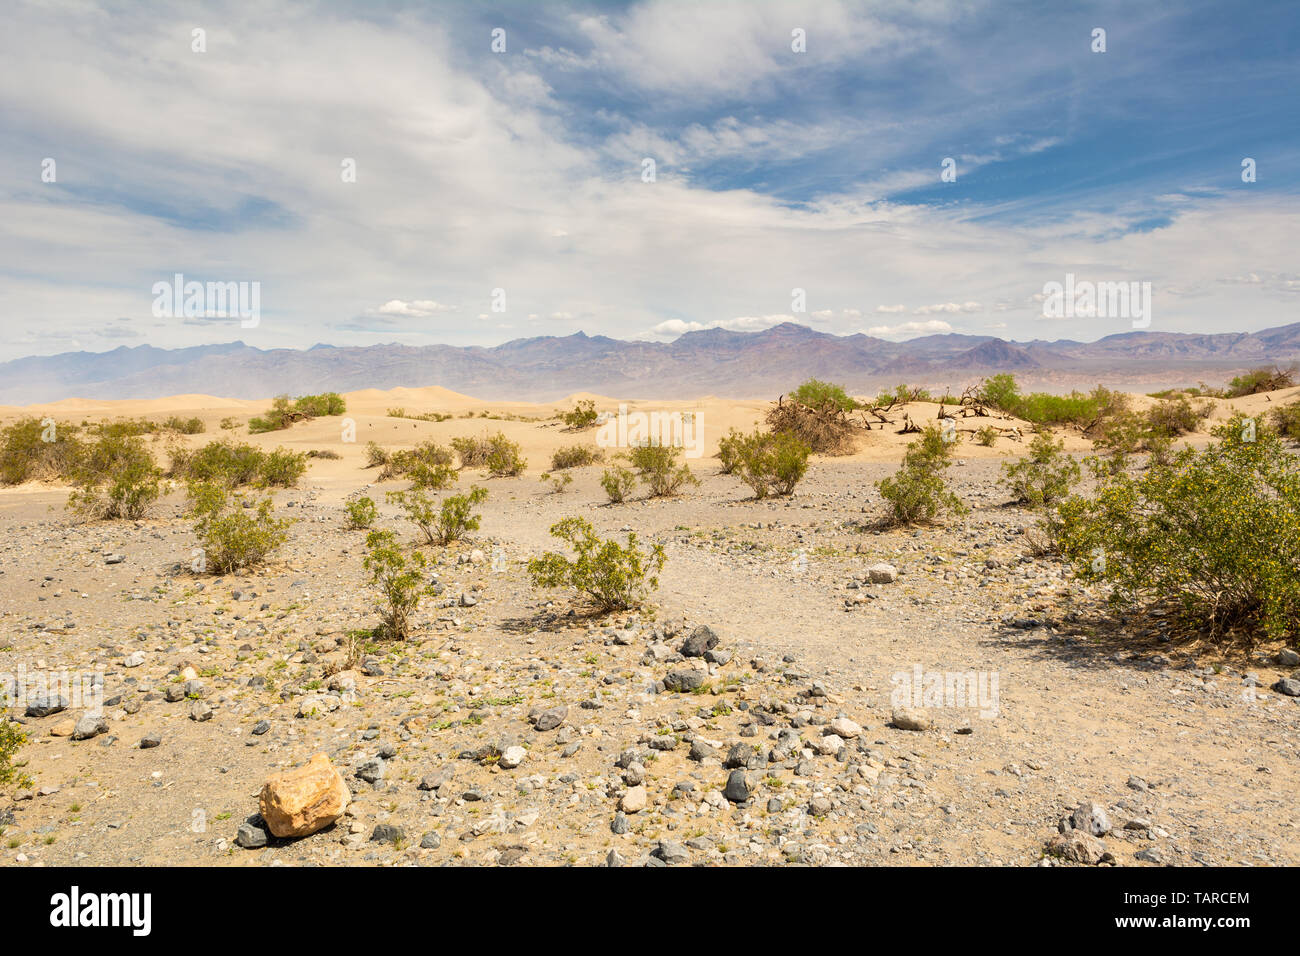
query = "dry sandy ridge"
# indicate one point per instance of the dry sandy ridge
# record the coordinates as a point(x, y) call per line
point(1192, 756)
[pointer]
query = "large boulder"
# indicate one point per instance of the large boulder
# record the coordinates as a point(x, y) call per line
point(301, 801)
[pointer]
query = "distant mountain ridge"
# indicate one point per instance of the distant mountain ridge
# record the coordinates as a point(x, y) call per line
point(707, 362)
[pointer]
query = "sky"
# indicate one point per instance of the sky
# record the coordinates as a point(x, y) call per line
point(468, 174)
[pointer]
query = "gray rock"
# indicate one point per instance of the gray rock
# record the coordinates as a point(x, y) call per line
point(670, 852)
point(45, 705)
point(150, 741)
point(700, 640)
point(1290, 686)
point(371, 770)
point(88, 727)
point(552, 718)
point(200, 711)
point(882, 573)
point(431, 840)
point(1091, 818)
point(684, 681)
point(261, 727)
point(738, 757)
point(738, 788)
point(387, 833)
point(250, 837)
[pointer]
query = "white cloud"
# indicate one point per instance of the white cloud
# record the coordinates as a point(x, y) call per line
point(418, 308)
point(911, 328)
point(948, 307)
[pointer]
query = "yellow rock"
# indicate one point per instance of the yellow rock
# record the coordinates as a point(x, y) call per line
point(299, 802)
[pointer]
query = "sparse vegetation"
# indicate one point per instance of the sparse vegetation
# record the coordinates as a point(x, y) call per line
point(428, 464)
point(558, 483)
point(11, 738)
point(618, 483)
point(1086, 412)
point(615, 577)
point(116, 478)
point(658, 466)
point(285, 411)
point(442, 523)
point(917, 493)
point(1213, 534)
point(1261, 380)
point(581, 416)
point(399, 580)
point(820, 395)
point(235, 465)
point(498, 454)
point(771, 462)
point(575, 456)
point(1042, 477)
point(360, 513)
point(231, 535)
point(821, 422)
point(32, 449)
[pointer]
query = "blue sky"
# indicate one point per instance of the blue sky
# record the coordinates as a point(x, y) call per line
point(522, 170)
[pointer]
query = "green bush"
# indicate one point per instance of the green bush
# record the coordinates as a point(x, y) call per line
point(1083, 411)
point(618, 483)
point(360, 513)
point(823, 395)
point(729, 448)
point(11, 738)
point(1124, 434)
point(473, 452)
point(1215, 533)
point(25, 455)
point(441, 523)
point(234, 465)
point(503, 458)
point(902, 395)
point(427, 463)
point(1261, 380)
point(1000, 392)
point(375, 455)
point(186, 426)
point(582, 416)
point(1042, 477)
point(658, 467)
point(1287, 421)
point(771, 462)
point(116, 478)
point(917, 492)
point(399, 581)
point(284, 411)
point(614, 577)
point(231, 535)
point(987, 436)
point(575, 456)
point(558, 483)
point(1175, 415)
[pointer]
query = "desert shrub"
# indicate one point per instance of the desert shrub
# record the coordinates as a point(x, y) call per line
point(1042, 477)
point(902, 394)
point(987, 436)
point(1175, 415)
point(583, 415)
point(428, 459)
point(1286, 420)
point(282, 468)
point(285, 411)
point(815, 393)
point(771, 462)
point(1261, 380)
point(824, 428)
point(613, 576)
point(575, 456)
point(618, 483)
point(186, 426)
point(435, 477)
point(325, 453)
point(27, 455)
point(441, 523)
point(229, 423)
point(1214, 532)
point(360, 513)
point(1000, 392)
point(473, 452)
point(503, 459)
point(558, 483)
point(419, 416)
point(116, 478)
point(658, 467)
point(11, 738)
point(917, 492)
point(399, 581)
point(729, 447)
point(231, 535)
point(376, 455)
point(1124, 434)
point(234, 464)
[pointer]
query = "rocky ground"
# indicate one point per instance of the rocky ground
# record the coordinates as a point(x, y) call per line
point(515, 730)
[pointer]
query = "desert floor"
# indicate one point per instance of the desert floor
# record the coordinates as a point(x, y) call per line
point(1191, 754)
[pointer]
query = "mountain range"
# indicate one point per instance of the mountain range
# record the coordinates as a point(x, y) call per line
point(708, 362)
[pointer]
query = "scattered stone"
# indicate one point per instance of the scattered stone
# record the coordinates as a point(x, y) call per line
point(302, 801)
point(250, 837)
point(906, 718)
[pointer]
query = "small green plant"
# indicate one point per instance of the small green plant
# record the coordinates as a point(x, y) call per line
point(986, 436)
point(917, 492)
point(583, 415)
point(618, 483)
point(658, 467)
point(575, 456)
point(558, 483)
point(1286, 420)
point(1175, 415)
point(771, 462)
point(442, 523)
point(428, 464)
point(116, 478)
point(185, 426)
point(503, 458)
point(1044, 476)
point(1261, 380)
point(234, 465)
point(33, 449)
point(614, 576)
point(729, 448)
point(360, 513)
point(231, 535)
point(399, 580)
point(376, 455)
